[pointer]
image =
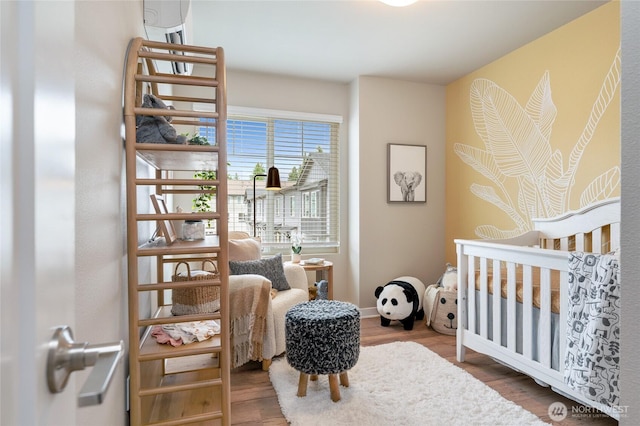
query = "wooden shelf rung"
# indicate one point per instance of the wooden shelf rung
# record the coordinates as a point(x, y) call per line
point(175, 182)
point(177, 319)
point(174, 113)
point(177, 216)
point(175, 250)
point(180, 388)
point(179, 57)
point(185, 191)
point(179, 285)
point(167, 147)
point(175, 353)
point(177, 79)
point(213, 51)
point(197, 418)
point(196, 123)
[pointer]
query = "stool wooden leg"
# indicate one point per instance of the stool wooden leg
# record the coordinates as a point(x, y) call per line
point(266, 363)
point(314, 377)
point(302, 384)
point(334, 387)
point(344, 379)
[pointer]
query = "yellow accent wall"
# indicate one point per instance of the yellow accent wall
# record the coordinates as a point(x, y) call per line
point(511, 128)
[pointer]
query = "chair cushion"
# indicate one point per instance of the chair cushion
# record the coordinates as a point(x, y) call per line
point(244, 249)
point(270, 268)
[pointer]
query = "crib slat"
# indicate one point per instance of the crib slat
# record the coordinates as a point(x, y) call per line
point(596, 240)
point(497, 304)
point(462, 303)
point(511, 306)
point(544, 322)
point(562, 327)
point(527, 312)
point(484, 290)
point(614, 236)
point(471, 294)
point(580, 241)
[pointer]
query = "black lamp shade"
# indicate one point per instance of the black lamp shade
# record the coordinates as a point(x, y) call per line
point(273, 184)
point(273, 179)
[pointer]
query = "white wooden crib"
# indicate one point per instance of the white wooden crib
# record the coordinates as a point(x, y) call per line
point(514, 325)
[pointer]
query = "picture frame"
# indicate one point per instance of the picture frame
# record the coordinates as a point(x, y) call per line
point(166, 225)
point(406, 173)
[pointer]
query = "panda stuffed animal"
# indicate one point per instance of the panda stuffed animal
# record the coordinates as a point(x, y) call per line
point(401, 300)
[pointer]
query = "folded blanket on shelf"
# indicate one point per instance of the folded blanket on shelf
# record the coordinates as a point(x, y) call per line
point(593, 327)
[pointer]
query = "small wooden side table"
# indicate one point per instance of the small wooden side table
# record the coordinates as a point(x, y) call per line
point(323, 271)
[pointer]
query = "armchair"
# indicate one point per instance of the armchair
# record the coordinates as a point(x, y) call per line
point(243, 248)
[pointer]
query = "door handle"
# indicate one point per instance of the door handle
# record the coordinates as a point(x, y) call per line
point(66, 356)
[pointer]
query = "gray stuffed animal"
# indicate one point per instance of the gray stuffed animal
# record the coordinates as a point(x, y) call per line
point(156, 128)
point(323, 290)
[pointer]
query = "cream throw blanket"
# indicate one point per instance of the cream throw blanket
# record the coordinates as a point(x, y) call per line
point(248, 305)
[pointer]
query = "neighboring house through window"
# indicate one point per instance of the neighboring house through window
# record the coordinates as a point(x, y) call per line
point(304, 148)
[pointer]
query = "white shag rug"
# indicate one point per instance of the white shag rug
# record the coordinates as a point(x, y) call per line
point(397, 384)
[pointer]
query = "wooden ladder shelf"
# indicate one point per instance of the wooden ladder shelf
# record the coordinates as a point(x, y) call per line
point(189, 383)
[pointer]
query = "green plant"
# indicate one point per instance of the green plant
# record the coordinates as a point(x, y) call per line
point(202, 203)
point(197, 139)
point(296, 244)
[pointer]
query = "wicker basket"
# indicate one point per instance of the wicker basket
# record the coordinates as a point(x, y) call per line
point(195, 300)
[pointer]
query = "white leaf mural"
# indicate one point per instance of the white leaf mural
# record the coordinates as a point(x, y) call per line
point(540, 107)
point(517, 143)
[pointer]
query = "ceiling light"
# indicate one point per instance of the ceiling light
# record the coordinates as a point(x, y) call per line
point(399, 3)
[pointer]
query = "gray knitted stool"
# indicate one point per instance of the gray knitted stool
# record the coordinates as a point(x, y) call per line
point(323, 337)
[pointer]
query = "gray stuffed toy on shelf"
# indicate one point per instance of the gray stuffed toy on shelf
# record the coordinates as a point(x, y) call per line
point(156, 128)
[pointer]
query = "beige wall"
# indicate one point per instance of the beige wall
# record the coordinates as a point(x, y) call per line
point(575, 61)
point(389, 240)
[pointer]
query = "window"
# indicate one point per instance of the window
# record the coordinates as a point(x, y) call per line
point(278, 207)
point(304, 148)
point(292, 206)
point(313, 208)
point(306, 203)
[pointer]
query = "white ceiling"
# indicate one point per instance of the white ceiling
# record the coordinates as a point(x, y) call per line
point(432, 41)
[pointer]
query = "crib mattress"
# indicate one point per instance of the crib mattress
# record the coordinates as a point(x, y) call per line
point(555, 286)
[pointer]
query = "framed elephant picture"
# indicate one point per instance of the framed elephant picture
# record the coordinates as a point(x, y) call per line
point(407, 173)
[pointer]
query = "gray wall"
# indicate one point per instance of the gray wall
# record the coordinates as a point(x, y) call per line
point(630, 251)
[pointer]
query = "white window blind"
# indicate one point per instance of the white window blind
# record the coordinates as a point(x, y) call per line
point(304, 148)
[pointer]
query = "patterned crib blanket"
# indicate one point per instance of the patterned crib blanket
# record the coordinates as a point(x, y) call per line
point(593, 332)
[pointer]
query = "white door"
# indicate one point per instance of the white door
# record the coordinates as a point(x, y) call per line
point(37, 170)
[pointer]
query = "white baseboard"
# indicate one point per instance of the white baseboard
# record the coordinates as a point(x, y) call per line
point(369, 312)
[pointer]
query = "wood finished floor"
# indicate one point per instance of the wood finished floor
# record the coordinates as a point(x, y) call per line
point(254, 401)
